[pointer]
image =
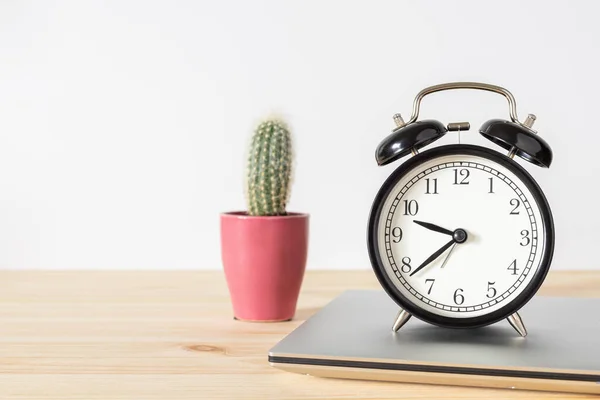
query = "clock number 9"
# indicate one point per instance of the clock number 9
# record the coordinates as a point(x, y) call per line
point(406, 265)
point(458, 297)
point(397, 234)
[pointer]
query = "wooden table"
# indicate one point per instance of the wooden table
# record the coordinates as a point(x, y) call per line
point(170, 335)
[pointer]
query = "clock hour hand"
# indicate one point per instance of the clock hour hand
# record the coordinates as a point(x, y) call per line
point(433, 227)
point(433, 256)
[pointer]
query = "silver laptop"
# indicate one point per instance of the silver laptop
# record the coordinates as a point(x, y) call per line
point(352, 338)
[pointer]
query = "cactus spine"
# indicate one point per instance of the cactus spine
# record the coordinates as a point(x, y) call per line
point(269, 169)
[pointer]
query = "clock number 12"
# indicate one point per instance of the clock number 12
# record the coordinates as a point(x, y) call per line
point(464, 173)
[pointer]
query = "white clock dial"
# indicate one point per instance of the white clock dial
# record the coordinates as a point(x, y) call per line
point(503, 223)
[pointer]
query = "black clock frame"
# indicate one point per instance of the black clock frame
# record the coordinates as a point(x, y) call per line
point(427, 316)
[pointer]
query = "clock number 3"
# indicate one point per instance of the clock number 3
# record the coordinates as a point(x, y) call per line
point(525, 236)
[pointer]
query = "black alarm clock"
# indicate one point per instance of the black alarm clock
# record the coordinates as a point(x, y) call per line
point(461, 236)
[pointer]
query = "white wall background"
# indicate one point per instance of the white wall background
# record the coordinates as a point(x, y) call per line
point(123, 124)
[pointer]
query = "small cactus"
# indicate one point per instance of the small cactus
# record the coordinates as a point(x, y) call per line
point(269, 169)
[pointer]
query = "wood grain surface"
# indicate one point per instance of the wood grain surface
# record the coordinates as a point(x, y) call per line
point(171, 335)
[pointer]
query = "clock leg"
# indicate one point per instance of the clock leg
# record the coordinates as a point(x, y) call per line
point(401, 319)
point(517, 323)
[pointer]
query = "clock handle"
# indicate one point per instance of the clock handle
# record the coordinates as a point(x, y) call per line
point(512, 104)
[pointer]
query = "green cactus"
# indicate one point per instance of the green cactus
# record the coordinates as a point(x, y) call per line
point(269, 169)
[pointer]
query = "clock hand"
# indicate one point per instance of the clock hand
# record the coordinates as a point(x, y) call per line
point(448, 256)
point(433, 227)
point(433, 256)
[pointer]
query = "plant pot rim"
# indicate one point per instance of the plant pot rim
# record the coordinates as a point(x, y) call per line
point(244, 215)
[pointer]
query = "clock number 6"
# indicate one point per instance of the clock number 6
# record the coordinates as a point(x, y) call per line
point(458, 297)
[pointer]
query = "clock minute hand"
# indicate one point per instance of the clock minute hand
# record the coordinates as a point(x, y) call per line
point(433, 227)
point(433, 256)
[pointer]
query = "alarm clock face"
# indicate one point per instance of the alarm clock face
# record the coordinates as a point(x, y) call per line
point(461, 236)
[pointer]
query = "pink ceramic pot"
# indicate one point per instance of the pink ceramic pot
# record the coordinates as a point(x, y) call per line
point(264, 260)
